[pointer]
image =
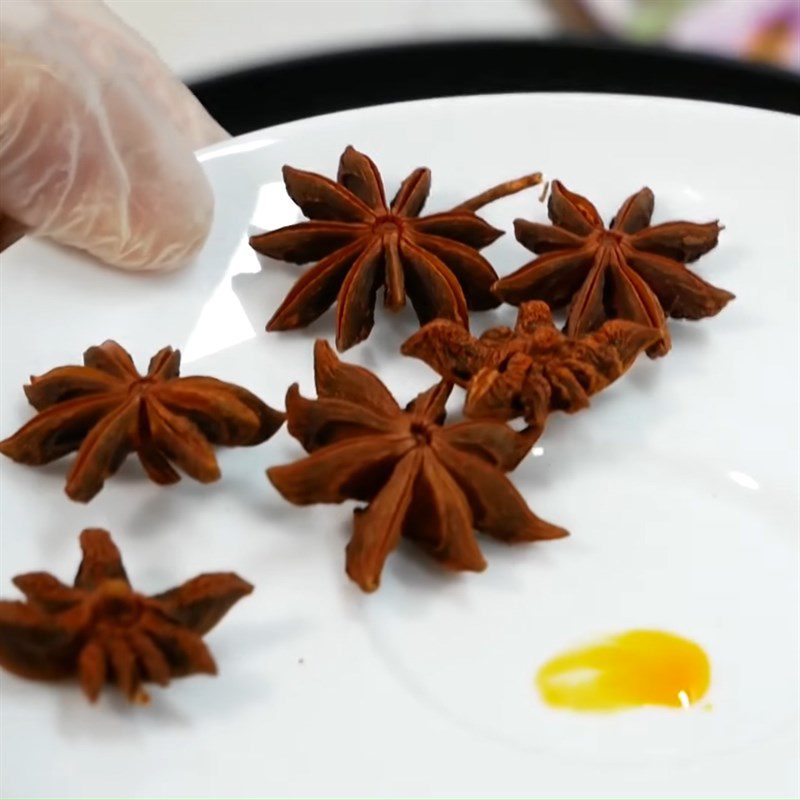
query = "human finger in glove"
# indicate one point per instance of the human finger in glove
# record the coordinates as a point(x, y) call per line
point(97, 138)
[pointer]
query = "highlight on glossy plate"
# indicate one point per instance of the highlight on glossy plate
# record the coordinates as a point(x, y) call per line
point(546, 500)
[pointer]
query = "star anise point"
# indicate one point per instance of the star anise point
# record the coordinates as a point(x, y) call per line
point(101, 630)
point(420, 479)
point(632, 269)
point(362, 242)
point(533, 369)
point(106, 410)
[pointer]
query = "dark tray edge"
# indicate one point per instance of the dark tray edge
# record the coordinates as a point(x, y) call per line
point(269, 94)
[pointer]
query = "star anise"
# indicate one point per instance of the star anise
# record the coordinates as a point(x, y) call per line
point(106, 410)
point(631, 270)
point(101, 630)
point(428, 482)
point(533, 369)
point(365, 243)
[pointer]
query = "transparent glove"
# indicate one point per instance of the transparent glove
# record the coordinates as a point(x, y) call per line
point(96, 138)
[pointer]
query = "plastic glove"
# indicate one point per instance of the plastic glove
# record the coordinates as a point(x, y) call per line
point(96, 138)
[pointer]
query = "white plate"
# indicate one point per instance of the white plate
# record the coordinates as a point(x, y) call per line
point(679, 486)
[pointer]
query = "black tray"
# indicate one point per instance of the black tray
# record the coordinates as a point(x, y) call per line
point(266, 95)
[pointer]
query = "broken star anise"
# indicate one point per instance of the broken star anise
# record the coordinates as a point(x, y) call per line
point(106, 410)
point(533, 369)
point(430, 483)
point(631, 270)
point(365, 243)
point(101, 630)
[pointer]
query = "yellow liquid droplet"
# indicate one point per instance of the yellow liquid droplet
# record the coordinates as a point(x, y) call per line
point(635, 668)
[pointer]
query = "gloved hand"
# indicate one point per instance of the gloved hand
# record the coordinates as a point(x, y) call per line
point(96, 138)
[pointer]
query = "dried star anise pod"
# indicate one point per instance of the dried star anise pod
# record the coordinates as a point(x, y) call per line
point(365, 243)
point(106, 410)
point(631, 270)
point(533, 369)
point(431, 483)
point(101, 630)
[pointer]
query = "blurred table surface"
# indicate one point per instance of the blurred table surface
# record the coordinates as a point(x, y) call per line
point(200, 38)
point(308, 57)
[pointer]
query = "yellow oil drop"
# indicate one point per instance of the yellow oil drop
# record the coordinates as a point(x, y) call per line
point(627, 670)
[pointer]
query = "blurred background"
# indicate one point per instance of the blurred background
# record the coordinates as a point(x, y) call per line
point(203, 38)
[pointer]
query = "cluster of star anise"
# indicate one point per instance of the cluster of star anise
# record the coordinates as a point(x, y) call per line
point(418, 478)
point(631, 270)
point(100, 629)
point(421, 480)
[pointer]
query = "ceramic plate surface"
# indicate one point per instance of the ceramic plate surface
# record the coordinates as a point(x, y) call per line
point(679, 486)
